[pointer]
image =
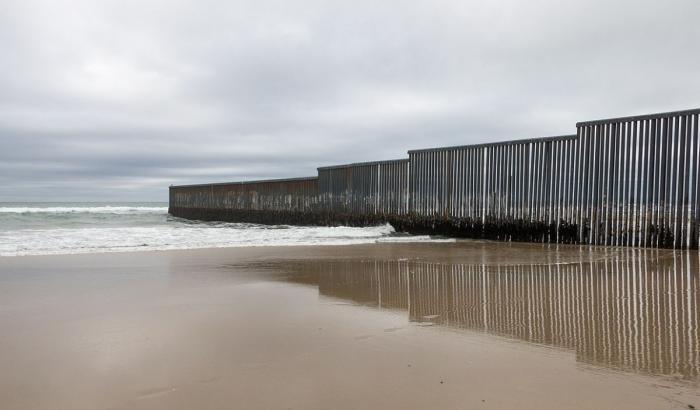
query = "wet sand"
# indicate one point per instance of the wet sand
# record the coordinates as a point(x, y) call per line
point(464, 325)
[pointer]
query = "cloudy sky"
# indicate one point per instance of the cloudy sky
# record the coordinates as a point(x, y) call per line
point(116, 100)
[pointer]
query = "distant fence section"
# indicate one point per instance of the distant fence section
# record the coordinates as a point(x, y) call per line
point(629, 181)
point(368, 188)
point(292, 200)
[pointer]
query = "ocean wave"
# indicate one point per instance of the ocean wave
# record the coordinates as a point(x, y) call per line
point(166, 237)
point(85, 209)
point(69, 228)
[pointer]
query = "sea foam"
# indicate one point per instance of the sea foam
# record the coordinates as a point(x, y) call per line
point(84, 209)
point(49, 230)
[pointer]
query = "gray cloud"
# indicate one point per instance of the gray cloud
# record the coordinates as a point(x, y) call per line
point(116, 100)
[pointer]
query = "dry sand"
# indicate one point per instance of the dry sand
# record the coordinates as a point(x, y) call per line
point(271, 328)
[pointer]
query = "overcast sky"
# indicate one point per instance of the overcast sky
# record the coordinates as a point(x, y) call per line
point(116, 100)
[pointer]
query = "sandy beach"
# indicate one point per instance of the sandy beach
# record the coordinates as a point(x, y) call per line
point(449, 325)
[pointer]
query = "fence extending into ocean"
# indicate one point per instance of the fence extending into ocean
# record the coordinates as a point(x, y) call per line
point(629, 181)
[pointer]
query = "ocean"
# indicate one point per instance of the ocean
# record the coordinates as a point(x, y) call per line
point(90, 227)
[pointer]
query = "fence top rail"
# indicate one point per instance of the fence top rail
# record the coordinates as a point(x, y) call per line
point(694, 111)
point(260, 181)
point(494, 144)
point(360, 164)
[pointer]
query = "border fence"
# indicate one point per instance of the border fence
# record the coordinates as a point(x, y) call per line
point(629, 181)
point(366, 188)
point(292, 200)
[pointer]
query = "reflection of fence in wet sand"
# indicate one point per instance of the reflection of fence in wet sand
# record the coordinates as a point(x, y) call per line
point(378, 283)
point(638, 311)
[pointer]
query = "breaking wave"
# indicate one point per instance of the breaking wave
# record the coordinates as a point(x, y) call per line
point(31, 229)
point(119, 210)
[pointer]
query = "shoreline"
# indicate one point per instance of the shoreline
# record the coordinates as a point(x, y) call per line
point(438, 241)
